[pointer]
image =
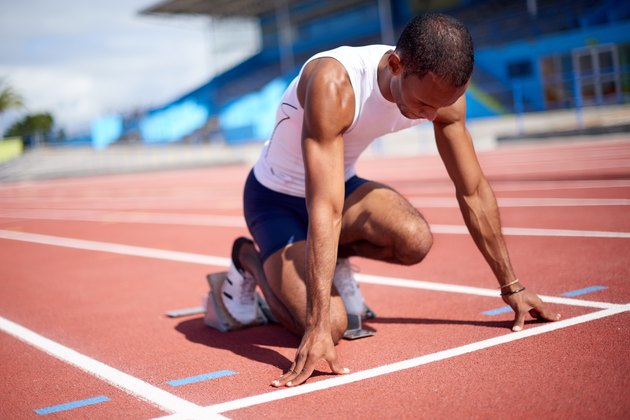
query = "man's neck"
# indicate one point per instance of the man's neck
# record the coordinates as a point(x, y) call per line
point(383, 77)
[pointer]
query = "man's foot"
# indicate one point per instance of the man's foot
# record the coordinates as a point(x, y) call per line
point(233, 302)
point(239, 295)
point(348, 289)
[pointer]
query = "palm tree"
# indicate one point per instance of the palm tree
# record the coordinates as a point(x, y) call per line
point(8, 98)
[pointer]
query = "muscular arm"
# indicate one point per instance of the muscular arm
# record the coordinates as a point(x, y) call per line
point(474, 194)
point(328, 100)
point(480, 211)
point(327, 97)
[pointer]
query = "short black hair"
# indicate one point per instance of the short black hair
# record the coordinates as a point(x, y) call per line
point(437, 43)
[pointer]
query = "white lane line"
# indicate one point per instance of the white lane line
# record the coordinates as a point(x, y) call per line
point(470, 290)
point(514, 231)
point(224, 262)
point(236, 222)
point(449, 202)
point(394, 367)
point(136, 251)
point(562, 202)
point(126, 217)
point(446, 187)
point(126, 203)
point(544, 185)
point(129, 384)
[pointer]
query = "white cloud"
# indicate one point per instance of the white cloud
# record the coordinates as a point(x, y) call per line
point(60, 90)
point(80, 59)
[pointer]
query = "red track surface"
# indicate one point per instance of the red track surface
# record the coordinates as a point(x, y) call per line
point(569, 202)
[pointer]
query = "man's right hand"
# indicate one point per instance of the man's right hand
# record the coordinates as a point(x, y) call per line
point(316, 344)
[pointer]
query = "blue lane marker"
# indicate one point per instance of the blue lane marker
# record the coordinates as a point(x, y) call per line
point(71, 405)
point(200, 378)
point(584, 291)
point(498, 311)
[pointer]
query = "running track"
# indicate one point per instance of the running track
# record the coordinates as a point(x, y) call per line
point(90, 266)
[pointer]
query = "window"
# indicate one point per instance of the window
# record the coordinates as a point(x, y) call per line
point(519, 69)
point(557, 81)
point(597, 74)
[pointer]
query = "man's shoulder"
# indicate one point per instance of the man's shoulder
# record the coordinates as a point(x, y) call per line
point(350, 52)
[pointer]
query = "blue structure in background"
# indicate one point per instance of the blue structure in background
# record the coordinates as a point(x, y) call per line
point(530, 56)
point(106, 130)
point(253, 115)
point(173, 122)
point(499, 61)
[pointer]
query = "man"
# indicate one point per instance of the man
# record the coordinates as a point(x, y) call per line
point(308, 211)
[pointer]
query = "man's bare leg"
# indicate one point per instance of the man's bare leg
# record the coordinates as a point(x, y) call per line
point(281, 280)
point(249, 259)
point(378, 223)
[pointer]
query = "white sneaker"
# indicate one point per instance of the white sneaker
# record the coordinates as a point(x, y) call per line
point(239, 295)
point(219, 317)
point(348, 289)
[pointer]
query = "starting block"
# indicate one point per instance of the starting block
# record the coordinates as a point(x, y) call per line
point(355, 330)
point(178, 313)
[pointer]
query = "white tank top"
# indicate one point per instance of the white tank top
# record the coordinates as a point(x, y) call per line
point(280, 166)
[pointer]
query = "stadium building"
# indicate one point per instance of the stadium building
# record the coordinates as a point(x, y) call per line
point(530, 56)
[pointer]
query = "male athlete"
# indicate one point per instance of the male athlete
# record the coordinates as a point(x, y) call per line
point(308, 211)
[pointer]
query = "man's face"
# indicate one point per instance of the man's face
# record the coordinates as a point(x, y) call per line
point(422, 97)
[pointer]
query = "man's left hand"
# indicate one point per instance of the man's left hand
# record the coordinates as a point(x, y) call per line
point(524, 302)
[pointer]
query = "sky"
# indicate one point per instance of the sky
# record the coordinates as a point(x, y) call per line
point(81, 59)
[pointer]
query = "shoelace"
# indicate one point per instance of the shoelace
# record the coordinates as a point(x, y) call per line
point(248, 289)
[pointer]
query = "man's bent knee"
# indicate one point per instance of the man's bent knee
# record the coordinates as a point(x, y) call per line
point(415, 244)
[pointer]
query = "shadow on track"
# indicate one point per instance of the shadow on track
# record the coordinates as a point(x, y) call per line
point(250, 342)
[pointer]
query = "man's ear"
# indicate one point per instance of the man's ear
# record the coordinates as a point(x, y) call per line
point(395, 64)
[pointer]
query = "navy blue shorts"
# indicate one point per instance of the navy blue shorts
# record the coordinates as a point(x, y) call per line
point(275, 219)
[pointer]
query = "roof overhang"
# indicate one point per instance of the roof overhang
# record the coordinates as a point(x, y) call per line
point(220, 8)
